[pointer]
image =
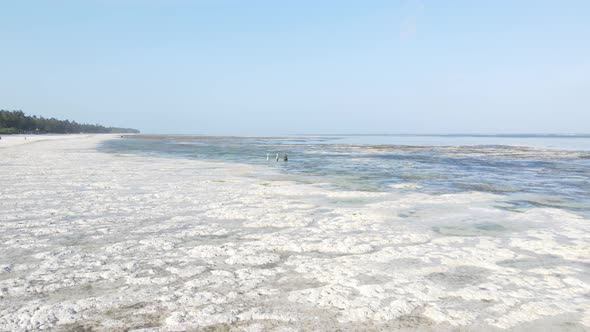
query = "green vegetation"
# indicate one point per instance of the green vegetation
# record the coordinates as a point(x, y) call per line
point(16, 122)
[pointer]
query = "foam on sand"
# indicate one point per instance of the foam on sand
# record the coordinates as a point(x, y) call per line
point(115, 242)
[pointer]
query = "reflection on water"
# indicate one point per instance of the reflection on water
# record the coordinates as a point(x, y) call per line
point(549, 177)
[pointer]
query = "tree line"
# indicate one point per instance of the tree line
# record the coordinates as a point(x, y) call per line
point(16, 122)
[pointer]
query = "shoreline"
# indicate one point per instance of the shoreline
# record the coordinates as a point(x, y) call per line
point(114, 242)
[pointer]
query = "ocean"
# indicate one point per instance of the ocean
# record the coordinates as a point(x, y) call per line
point(531, 170)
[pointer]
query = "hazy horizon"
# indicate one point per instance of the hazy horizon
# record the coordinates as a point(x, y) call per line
point(532, 134)
point(269, 68)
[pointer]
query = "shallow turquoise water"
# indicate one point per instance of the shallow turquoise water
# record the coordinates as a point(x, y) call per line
point(534, 171)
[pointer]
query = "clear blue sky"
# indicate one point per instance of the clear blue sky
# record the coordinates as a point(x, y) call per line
point(285, 67)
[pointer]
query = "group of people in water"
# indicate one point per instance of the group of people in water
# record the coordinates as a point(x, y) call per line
point(285, 157)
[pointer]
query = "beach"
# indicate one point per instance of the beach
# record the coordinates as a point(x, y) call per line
point(101, 241)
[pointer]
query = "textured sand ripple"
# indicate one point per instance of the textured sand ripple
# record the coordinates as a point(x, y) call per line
point(116, 242)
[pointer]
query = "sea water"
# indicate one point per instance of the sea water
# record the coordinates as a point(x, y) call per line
point(533, 170)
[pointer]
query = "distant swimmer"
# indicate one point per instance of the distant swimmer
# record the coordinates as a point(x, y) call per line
point(285, 157)
point(277, 157)
point(267, 156)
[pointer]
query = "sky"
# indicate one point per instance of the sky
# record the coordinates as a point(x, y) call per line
point(300, 67)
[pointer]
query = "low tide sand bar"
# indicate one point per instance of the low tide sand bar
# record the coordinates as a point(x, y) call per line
point(101, 241)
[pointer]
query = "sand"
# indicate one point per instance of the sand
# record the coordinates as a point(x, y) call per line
point(109, 242)
point(13, 140)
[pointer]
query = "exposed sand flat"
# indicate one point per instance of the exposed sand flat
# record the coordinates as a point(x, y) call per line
point(12, 140)
point(117, 242)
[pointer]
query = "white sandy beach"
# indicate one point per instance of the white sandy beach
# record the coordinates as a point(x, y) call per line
point(107, 242)
point(13, 140)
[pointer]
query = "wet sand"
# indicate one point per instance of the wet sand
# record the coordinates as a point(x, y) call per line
point(116, 242)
